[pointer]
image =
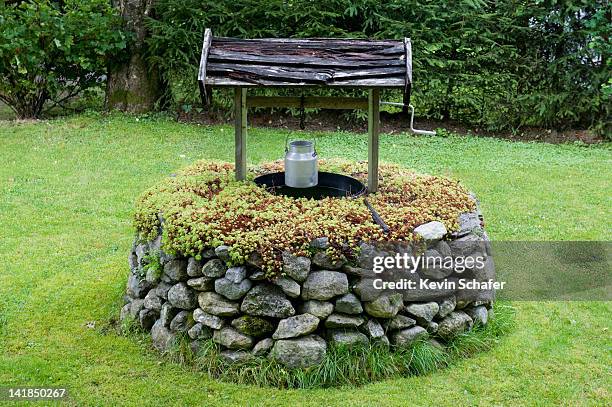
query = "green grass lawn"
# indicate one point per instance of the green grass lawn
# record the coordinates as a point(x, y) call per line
point(67, 189)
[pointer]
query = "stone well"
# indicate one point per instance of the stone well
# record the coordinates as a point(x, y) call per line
point(315, 303)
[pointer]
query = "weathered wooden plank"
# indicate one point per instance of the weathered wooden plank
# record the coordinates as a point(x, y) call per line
point(274, 101)
point(280, 48)
point(388, 82)
point(270, 72)
point(338, 46)
point(303, 55)
point(204, 89)
point(383, 82)
point(373, 131)
point(368, 73)
point(323, 102)
point(224, 56)
point(335, 103)
point(312, 42)
point(240, 129)
point(396, 49)
point(299, 74)
point(286, 49)
point(298, 50)
point(204, 56)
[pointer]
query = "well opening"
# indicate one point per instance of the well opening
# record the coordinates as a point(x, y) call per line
point(330, 185)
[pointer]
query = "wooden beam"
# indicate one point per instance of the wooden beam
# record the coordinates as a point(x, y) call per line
point(240, 128)
point(408, 56)
point(373, 130)
point(323, 102)
point(204, 91)
point(204, 56)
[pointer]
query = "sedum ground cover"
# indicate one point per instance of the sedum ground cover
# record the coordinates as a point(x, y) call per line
point(202, 207)
point(67, 194)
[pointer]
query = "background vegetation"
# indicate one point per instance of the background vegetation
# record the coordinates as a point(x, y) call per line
point(51, 51)
point(496, 64)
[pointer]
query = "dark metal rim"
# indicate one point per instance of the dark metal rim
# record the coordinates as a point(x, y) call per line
point(353, 187)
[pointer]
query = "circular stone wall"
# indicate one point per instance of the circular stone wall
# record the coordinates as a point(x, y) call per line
point(376, 295)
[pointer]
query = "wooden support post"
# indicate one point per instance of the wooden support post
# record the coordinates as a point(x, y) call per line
point(373, 129)
point(240, 127)
point(308, 102)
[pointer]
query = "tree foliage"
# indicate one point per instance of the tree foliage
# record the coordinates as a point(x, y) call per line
point(53, 50)
point(491, 63)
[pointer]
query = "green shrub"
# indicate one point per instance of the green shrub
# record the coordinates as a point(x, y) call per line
point(54, 50)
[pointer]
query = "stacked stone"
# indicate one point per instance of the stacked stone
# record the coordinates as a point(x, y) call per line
point(316, 301)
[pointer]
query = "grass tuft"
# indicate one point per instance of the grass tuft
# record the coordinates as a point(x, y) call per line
point(128, 327)
point(348, 366)
point(469, 343)
point(3, 319)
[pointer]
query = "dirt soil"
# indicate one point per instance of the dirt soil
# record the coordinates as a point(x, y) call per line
point(391, 123)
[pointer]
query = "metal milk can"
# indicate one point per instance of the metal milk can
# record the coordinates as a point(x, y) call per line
point(301, 164)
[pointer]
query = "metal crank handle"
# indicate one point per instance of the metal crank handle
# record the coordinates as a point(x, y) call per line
point(412, 129)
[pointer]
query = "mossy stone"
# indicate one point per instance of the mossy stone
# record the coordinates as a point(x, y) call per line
point(252, 325)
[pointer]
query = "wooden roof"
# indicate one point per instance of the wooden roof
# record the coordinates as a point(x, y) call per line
point(293, 62)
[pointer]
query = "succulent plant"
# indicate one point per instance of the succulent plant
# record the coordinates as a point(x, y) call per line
point(202, 206)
